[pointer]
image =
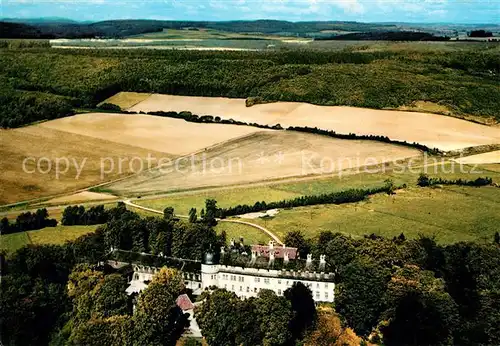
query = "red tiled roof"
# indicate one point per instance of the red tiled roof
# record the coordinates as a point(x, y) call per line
point(279, 251)
point(184, 302)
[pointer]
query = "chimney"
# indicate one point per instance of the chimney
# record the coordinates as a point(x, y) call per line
point(271, 257)
point(309, 260)
point(254, 256)
point(322, 262)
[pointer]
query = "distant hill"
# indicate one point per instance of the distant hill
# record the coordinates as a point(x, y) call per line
point(42, 20)
point(65, 28)
point(17, 30)
point(61, 28)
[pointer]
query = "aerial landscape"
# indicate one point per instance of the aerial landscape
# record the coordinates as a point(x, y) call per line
point(250, 173)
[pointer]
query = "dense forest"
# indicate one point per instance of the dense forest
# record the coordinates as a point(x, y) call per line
point(38, 83)
point(386, 36)
point(392, 291)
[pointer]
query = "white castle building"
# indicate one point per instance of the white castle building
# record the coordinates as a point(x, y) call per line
point(268, 267)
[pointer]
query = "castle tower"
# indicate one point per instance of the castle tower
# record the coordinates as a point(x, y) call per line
point(209, 271)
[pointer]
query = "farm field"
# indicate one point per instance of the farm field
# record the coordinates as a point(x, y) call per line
point(491, 157)
point(80, 197)
point(165, 135)
point(42, 146)
point(48, 235)
point(451, 214)
point(262, 156)
point(127, 99)
point(433, 130)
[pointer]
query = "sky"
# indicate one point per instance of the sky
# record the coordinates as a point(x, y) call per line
point(416, 11)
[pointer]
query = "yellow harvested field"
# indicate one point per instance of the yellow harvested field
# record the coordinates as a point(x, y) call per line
point(126, 99)
point(484, 158)
point(266, 155)
point(167, 135)
point(83, 196)
point(79, 157)
point(433, 130)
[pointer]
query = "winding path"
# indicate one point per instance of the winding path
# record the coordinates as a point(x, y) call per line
point(265, 230)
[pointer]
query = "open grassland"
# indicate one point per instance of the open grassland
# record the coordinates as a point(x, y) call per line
point(450, 214)
point(275, 191)
point(494, 167)
point(166, 135)
point(79, 158)
point(182, 203)
point(48, 235)
point(433, 130)
point(201, 34)
point(262, 156)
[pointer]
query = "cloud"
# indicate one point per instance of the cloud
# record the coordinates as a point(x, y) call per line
point(350, 6)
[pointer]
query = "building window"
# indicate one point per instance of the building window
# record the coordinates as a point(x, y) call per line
point(255, 289)
point(279, 282)
point(317, 295)
point(199, 285)
point(317, 285)
point(326, 284)
point(326, 295)
point(225, 286)
point(232, 287)
point(241, 288)
point(257, 279)
point(248, 289)
point(266, 280)
point(279, 292)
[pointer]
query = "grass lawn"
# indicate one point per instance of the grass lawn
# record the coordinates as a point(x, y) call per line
point(48, 235)
point(225, 198)
point(235, 231)
point(59, 234)
point(451, 214)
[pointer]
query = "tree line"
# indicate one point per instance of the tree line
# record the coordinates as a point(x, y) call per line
point(77, 215)
point(384, 139)
point(347, 196)
point(27, 221)
point(424, 180)
point(190, 117)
